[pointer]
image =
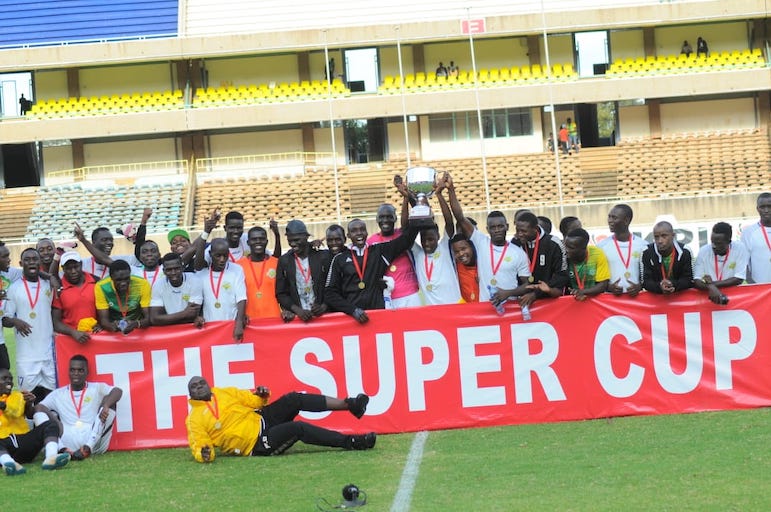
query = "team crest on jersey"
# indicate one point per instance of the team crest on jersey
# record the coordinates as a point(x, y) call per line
point(227, 286)
point(732, 265)
point(87, 399)
point(272, 273)
point(186, 297)
point(636, 254)
point(507, 259)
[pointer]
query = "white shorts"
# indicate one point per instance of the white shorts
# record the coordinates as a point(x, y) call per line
point(32, 374)
point(96, 435)
point(408, 301)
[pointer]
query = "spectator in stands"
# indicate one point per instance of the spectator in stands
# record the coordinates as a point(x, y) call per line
point(550, 143)
point(301, 275)
point(568, 224)
point(624, 252)
point(573, 143)
point(405, 292)
point(441, 70)
point(86, 411)
point(666, 263)
point(244, 423)
point(453, 70)
point(701, 47)
point(563, 137)
point(502, 267)
point(720, 264)
point(757, 239)
point(355, 280)
point(329, 71)
point(8, 275)
point(17, 442)
point(587, 266)
point(433, 258)
point(260, 277)
point(335, 238)
point(24, 105)
point(122, 300)
point(74, 307)
point(224, 289)
point(687, 49)
point(547, 260)
point(27, 310)
point(176, 298)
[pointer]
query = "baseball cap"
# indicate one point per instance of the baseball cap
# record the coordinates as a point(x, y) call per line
point(178, 232)
point(69, 256)
point(296, 227)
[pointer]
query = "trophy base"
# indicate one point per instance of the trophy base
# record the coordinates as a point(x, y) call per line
point(422, 222)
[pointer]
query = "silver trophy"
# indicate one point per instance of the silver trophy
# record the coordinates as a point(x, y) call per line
point(420, 182)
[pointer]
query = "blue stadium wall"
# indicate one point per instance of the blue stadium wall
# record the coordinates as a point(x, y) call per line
point(58, 21)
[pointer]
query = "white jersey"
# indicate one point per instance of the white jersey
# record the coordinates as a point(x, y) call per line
point(175, 299)
point(222, 291)
point(151, 276)
point(624, 259)
point(759, 249)
point(443, 287)
point(236, 253)
point(100, 271)
point(510, 260)
point(78, 411)
point(32, 303)
point(718, 268)
point(7, 278)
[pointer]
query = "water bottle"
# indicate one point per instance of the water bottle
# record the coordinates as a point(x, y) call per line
point(500, 308)
point(387, 299)
point(526, 313)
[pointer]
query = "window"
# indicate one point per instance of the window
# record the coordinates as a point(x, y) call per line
point(509, 122)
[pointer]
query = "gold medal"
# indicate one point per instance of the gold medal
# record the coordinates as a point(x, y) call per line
point(473, 296)
point(627, 274)
point(493, 281)
point(259, 295)
point(362, 285)
point(217, 305)
point(392, 268)
point(32, 314)
point(429, 287)
point(307, 289)
point(530, 279)
point(218, 425)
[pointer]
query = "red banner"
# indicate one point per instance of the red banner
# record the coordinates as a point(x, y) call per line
point(456, 366)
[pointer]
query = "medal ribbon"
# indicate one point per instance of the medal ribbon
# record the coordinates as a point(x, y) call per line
point(93, 269)
point(668, 273)
point(155, 276)
point(360, 270)
point(534, 258)
point(628, 252)
point(254, 275)
point(580, 280)
point(429, 268)
point(123, 311)
point(719, 275)
point(79, 405)
point(231, 257)
point(765, 235)
point(29, 295)
point(497, 265)
point(306, 278)
point(219, 283)
point(216, 410)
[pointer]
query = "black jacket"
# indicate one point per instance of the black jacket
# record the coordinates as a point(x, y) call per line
point(682, 268)
point(286, 277)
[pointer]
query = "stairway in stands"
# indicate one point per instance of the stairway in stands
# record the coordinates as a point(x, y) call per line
point(599, 171)
point(368, 186)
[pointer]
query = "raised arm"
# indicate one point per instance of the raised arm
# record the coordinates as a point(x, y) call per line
point(449, 225)
point(209, 225)
point(141, 235)
point(466, 227)
point(98, 255)
point(276, 236)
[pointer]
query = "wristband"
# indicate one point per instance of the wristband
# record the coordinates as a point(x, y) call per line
point(204, 236)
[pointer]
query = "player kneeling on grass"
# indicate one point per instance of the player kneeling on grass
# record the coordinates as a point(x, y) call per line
point(240, 422)
point(86, 411)
point(17, 442)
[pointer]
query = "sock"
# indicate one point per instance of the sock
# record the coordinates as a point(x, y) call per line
point(39, 418)
point(5, 459)
point(52, 448)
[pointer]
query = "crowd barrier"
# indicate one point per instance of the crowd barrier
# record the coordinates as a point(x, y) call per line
point(456, 366)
